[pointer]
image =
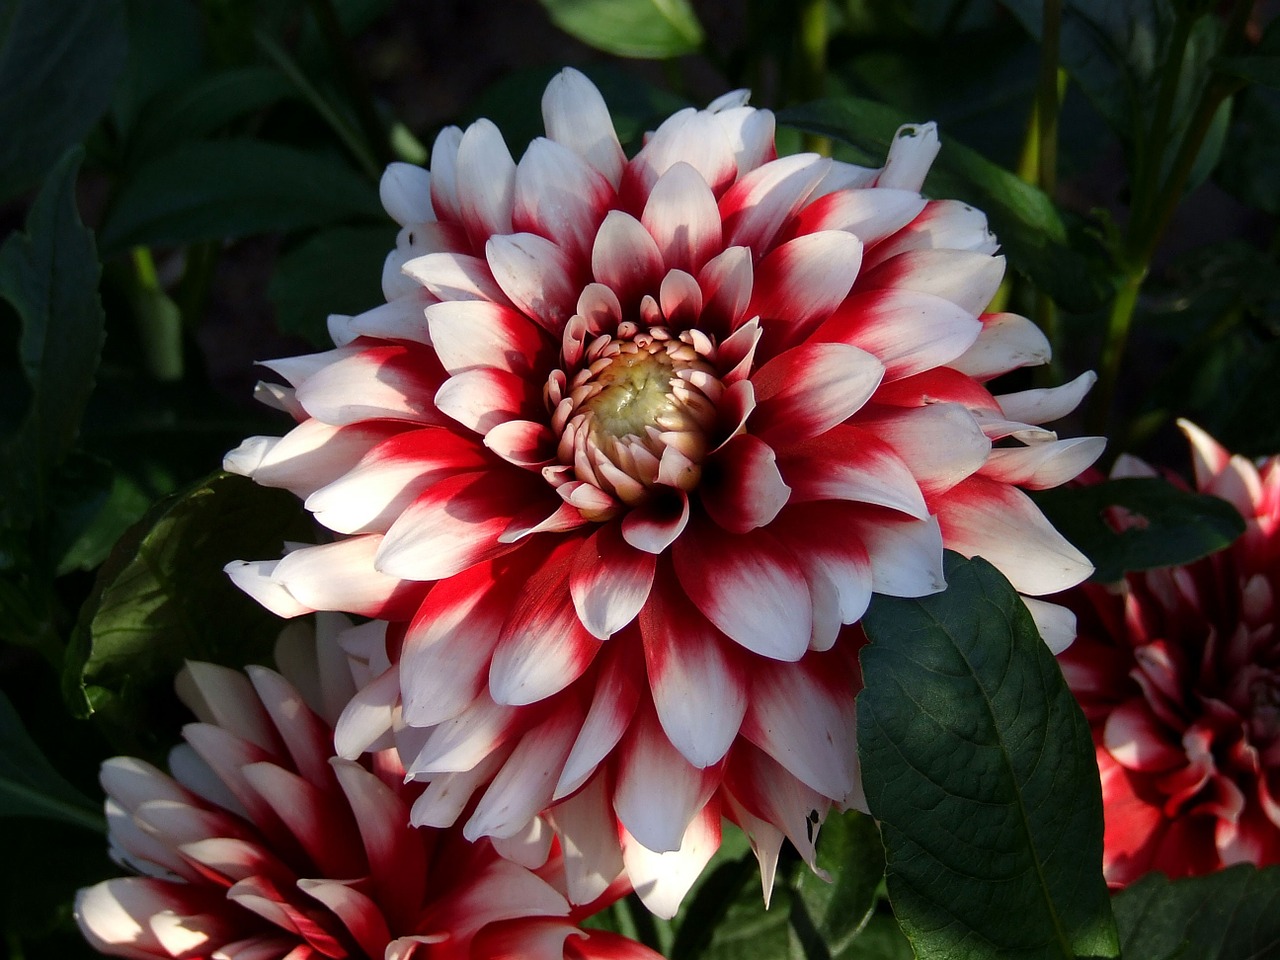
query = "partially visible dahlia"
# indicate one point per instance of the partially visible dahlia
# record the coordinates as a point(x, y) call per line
point(259, 846)
point(1178, 672)
point(631, 444)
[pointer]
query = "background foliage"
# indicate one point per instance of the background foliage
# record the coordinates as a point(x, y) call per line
point(189, 185)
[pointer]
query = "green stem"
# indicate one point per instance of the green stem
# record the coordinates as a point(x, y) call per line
point(158, 317)
point(353, 80)
point(1118, 324)
point(813, 64)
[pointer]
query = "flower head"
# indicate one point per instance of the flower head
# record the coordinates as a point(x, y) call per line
point(260, 846)
point(630, 447)
point(1178, 672)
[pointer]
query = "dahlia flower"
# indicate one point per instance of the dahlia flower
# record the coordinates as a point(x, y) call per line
point(260, 846)
point(628, 449)
point(1178, 672)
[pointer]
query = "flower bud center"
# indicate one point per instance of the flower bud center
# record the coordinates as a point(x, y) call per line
point(635, 392)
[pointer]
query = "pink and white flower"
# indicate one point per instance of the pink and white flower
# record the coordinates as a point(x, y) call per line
point(261, 846)
point(628, 450)
point(1178, 672)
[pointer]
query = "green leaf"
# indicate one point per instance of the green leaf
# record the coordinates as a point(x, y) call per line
point(1230, 915)
point(161, 597)
point(94, 504)
point(1139, 523)
point(979, 766)
point(59, 60)
point(30, 786)
point(1032, 232)
point(50, 276)
point(335, 271)
point(646, 29)
point(233, 188)
point(835, 913)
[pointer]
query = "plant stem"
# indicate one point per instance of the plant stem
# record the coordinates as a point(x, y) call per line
point(813, 64)
point(353, 80)
point(158, 317)
point(1118, 323)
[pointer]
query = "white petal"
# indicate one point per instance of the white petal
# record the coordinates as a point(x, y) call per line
point(1049, 404)
point(405, 191)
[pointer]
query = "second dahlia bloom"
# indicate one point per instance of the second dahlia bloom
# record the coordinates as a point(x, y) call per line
point(629, 448)
point(260, 846)
point(1178, 672)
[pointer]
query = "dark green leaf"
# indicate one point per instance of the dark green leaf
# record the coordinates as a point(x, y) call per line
point(1230, 915)
point(162, 597)
point(166, 52)
point(233, 188)
point(59, 60)
point(979, 766)
point(1250, 168)
point(335, 271)
point(1031, 230)
point(1139, 523)
point(93, 504)
point(648, 29)
point(837, 911)
point(50, 276)
point(30, 786)
point(1256, 69)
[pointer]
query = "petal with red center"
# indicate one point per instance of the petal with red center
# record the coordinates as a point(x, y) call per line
point(588, 832)
point(943, 225)
point(448, 794)
point(849, 463)
point(1043, 465)
point(603, 945)
point(1047, 404)
point(1141, 742)
point(369, 497)
point(400, 319)
point(908, 332)
point(727, 280)
point(455, 276)
point(482, 399)
point(626, 258)
point(609, 581)
point(939, 385)
point(1007, 342)
point(826, 544)
point(464, 741)
point(655, 525)
point(526, 939)
point(222, 696)
point(658, 793)
point(688, 136)
point(308, 739)
point(543, 646)
point(559, 196)
point(486, 178)
point(396, 381)
point(310, 815)
point(613, 704)
point(940, 443)
point(741, 487)
point(343, 576)
point(749, 586)
point(468, 334)
point(808, 389)
point(527, 780)
point(750, 131)
point(698, 681)
point(680, 299)
point(769, 792)
point(116, 917)
point(356, 911)
point(444, 664)
point(314, 454)
point(537, 275)
point(500, 891)
point(736, 353)
point(575, 115)
point(522, 443)
point(800, 283)
point(870, 215)
point(682, 217)
point(759, 203)
point(802, 714)
point(456, 523)
point(662, 879)
point(368, 716)
point(967, 279)
point(983, 518)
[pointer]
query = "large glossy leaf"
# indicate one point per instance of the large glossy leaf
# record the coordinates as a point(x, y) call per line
point(1139, 523)
point(1230, 915)
point(30, 786)
point(59, 60)
point(1031, 230)
point(648, 29)
point(979, 766)
point(50, 277)
point(221, 189)
point(161, 596)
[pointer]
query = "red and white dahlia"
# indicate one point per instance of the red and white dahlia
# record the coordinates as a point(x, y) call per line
point(260, 846)
point(630, 445)
point(1178, 672)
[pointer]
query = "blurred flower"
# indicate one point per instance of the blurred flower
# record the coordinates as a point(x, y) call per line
point(699, 405)
point(260, 846)
point(1178, 672)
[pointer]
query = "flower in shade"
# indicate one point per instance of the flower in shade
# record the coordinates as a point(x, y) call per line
point(260, 846)
point(631, 445)
point(1178, 672)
